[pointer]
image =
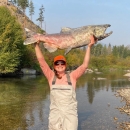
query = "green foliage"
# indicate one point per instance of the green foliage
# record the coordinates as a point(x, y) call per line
point(121, 51)
point(8, 61)
point(75, 58)
point(41, 17)
point(97, 50)
point(109, 49)
point(111, 59)
point(23, 4)
point(124, 62)
point(29, 59)
point(11, 39)
point(99, 62)
point(31, 9)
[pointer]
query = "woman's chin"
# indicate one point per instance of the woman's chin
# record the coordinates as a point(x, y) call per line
point(60, 69)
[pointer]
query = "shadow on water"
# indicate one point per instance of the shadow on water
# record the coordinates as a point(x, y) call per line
point(24, 102)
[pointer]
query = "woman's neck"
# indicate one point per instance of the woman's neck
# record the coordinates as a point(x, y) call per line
point(61, 74)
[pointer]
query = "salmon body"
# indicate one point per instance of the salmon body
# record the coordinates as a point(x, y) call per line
point(69, 38)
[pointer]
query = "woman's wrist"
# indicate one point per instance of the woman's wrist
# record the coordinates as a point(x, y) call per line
point(36, 45)
point(90, 45)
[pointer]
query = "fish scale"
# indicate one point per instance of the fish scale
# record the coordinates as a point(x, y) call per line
point(68, 38)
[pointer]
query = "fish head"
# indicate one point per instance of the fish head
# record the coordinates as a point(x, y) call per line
point(99, 31)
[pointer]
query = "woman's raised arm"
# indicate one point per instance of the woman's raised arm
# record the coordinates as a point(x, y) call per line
point(93, 40)
point(81, 69)
point(43, 64)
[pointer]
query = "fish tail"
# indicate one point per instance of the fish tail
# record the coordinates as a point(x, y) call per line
point(30, 41)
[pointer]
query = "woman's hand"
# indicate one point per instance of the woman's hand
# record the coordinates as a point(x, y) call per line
point(93, 40)
point(37, 37)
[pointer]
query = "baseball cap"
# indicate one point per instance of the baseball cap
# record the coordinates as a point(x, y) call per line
point(59, 57)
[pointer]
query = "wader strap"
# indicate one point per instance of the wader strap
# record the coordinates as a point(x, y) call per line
point(68, 79)
point(54, 80)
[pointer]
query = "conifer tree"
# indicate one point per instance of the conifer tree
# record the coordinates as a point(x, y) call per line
point(31, 9)
point(41, 17)
point(109, 50)
point(23, 4)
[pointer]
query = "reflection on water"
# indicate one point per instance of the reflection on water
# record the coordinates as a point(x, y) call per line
point(24, 102)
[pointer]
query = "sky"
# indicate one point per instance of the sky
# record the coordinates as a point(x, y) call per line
point(77, 13)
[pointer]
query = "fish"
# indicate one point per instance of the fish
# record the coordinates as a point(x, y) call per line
point(69, 38)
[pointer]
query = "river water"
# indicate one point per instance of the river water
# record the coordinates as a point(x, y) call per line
point(24, 102)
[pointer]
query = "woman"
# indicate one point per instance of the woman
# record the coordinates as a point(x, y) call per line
point(63, 107)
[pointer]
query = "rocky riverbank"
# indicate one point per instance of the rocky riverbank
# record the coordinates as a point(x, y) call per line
point(125, 97)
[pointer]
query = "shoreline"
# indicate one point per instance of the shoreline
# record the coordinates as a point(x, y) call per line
point(125, 96)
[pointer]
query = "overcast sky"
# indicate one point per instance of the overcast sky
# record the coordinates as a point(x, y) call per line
point(76, 13)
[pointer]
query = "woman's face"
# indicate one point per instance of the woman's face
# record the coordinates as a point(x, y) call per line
point(60, 66)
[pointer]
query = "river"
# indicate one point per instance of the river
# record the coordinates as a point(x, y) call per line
point(24, 102)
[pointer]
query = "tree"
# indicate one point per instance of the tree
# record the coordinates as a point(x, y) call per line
point(104, 50)
point(41, 17)
point(109, 49)
point(31, 9)
point(11, 39)
point(115, 51)
point(23, 4)
point(97, 51)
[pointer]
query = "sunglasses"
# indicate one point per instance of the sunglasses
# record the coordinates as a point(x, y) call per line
point(59, 63)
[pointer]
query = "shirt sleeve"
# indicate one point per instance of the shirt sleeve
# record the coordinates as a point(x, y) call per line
point(78, 72)
point(45, 68)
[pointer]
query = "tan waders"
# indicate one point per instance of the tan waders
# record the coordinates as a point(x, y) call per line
point(63, 108)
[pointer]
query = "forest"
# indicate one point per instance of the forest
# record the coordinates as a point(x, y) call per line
point(14, 55)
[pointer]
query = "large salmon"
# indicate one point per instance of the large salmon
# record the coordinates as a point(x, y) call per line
point(69, 38)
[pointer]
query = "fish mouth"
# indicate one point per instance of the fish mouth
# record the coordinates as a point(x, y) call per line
point(104, 35)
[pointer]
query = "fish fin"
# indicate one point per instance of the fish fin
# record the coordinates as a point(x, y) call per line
point(50, 47)
point(67, 50)
point(65, 30)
